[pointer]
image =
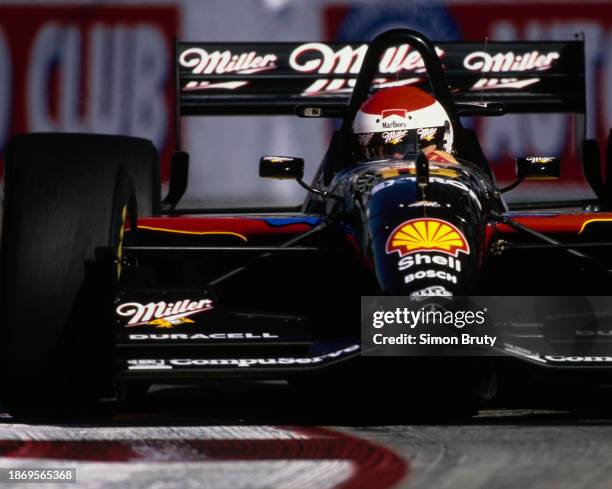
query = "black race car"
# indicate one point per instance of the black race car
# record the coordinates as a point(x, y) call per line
point(105, 286)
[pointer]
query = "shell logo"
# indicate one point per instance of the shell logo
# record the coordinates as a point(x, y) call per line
point(427, 234)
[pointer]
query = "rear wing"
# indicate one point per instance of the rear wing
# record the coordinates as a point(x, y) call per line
point(274, 78)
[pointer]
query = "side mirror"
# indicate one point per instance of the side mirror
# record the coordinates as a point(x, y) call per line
point(327, 110)
point(538, 168)
point(282, 167)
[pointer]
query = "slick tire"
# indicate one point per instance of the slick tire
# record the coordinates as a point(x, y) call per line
point(138, 156)
point(61, 209)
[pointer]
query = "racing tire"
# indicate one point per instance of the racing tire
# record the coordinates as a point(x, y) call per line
point(138, 156)
point(61, 210)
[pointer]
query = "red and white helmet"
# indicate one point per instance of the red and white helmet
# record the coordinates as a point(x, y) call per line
point(400, 120)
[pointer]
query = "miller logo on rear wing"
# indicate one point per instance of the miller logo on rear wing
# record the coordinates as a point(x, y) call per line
point(273, 78)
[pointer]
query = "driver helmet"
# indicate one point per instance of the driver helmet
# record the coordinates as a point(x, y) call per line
point(400, 120)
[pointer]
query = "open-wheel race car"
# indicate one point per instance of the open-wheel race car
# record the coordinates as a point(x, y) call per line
point(105, 285)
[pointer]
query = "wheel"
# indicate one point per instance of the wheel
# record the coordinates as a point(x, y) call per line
point(56, 333)
point(138, 156)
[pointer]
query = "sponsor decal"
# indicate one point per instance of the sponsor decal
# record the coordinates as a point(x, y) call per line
point(200, 61)
point(427, 133)
point(326, 86)
point(540, 159)
point(563, 359)
point(394, 137)
point(162, 314)
point(434, 290)
point(426, 234)
point(503, 83)
point(425, 203)
point(323, 59)
point(277, 159)
point(430, 274)
point(238, 362)
point(394, 123)
point(516, 350)
point(202, 337)
point(425, 259)
point(205, 85)
point(320, 58)
point(148, 365)
point(598, 332)
point(509, 61)
point(446, 178)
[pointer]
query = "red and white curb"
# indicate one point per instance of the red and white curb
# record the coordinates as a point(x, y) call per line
point(215, 457)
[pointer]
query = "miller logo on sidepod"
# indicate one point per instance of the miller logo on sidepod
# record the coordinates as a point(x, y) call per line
point(427, 234)
point(162, 314)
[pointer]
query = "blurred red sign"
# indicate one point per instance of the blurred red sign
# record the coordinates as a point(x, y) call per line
point(549, 134)
point(104, 69)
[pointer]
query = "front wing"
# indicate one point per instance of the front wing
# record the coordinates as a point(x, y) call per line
point(268, 296)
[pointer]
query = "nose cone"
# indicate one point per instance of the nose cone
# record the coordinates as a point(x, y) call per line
point(419, 245)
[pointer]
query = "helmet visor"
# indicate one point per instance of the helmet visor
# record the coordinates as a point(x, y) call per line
point(373, 146)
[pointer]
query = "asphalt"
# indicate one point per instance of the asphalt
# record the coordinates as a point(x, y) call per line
point(264, 436)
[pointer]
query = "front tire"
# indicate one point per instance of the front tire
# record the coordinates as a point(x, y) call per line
point(56, 334)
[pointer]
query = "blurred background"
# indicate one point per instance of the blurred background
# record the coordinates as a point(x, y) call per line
point(107, 67)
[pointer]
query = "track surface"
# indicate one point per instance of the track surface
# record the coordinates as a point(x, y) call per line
point(263, 437)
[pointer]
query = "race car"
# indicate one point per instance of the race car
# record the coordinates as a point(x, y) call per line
point(106, 286)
